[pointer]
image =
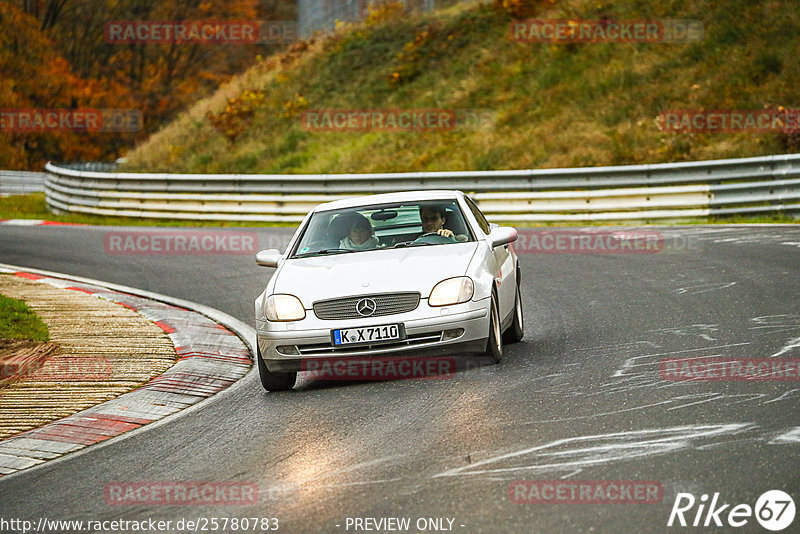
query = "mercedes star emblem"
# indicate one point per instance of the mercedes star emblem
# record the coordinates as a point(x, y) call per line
point(366, 307)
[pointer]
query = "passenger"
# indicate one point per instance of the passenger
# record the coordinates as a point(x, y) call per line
point(361, 236)
point(433, 217)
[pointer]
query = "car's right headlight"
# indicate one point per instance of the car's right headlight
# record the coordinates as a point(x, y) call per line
point(452, 291)
point(284, 308)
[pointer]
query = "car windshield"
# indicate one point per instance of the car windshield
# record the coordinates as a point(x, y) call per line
point(382, 226)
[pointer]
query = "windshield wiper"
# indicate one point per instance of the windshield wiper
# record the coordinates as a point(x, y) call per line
point(324, 252)
point(411, 244)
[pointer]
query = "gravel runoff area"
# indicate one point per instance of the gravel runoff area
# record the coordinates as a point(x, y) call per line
point(115, 362)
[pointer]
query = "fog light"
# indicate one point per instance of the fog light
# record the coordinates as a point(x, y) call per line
point(452, 334)
point(289, 350)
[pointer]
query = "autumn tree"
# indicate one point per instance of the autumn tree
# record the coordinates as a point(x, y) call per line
point(36, 77)
point(53, 54)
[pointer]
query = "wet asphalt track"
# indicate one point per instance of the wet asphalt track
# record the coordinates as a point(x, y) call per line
point(579, 399)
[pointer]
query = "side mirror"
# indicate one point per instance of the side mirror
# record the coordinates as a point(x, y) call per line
point(269, 257)
point(502, 235)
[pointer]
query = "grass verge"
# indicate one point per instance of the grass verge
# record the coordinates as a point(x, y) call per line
point(17, 321)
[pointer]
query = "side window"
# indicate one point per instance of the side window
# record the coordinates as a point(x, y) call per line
point(482, 222)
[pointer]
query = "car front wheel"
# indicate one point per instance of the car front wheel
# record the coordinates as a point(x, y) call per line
point(274, 381)
point(494, 346)
point(517, 328)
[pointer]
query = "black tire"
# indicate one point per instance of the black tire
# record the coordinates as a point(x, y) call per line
point(494, 346)
point(516, 331)
point(274, 381)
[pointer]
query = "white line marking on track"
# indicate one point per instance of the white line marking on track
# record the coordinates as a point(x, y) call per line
point(789, 436)
point(630, 362)
point(702, 330)
point(598, 449)
point(793, 344)
point(786, 394)
point(703, 288)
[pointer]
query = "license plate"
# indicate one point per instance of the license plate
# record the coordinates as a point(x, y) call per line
point(368, 335)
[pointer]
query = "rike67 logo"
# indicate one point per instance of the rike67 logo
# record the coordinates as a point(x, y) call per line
point(774, 510)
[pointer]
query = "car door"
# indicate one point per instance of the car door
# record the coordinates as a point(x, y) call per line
point(504, 268)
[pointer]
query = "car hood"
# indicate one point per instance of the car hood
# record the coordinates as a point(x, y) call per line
point(378, 271)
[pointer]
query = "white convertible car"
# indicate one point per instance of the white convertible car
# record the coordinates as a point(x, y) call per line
point(418, 273)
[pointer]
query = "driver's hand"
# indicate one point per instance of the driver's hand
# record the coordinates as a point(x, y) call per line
point(445, 232)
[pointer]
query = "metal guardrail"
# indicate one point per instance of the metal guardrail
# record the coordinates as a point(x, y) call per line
point(631, 192)
point(21, 182)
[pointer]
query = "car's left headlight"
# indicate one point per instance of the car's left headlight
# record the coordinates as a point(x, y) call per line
point(284, 308)
point(452, 291)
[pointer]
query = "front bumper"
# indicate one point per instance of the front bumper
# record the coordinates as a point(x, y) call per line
point(430, 331)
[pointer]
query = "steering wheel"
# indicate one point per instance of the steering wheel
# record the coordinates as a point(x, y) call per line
point(433, 238)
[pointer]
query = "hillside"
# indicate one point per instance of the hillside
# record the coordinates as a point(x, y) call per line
point(533, 104)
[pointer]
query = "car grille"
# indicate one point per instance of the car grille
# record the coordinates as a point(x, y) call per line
point(386, 304)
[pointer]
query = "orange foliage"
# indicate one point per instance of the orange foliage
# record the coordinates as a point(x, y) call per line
point(235, 118)
point(520, 9)
point(60, 59)
point(37, 78)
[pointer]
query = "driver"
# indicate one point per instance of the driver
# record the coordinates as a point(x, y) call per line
point(433, 217)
